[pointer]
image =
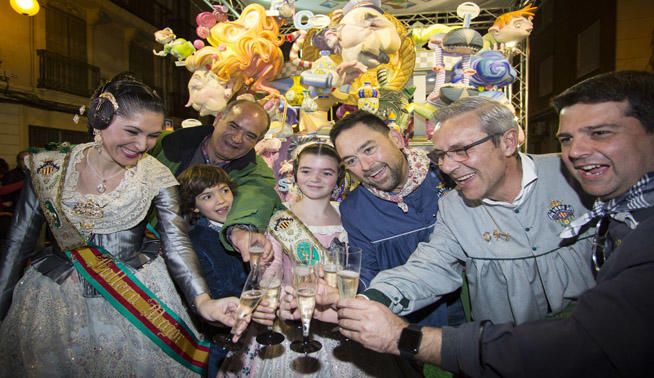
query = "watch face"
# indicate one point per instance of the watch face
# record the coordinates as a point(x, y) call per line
point(410, 339)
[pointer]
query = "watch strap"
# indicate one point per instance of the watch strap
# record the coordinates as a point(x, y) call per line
point(410, 338)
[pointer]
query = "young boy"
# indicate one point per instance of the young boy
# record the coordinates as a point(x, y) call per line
point(206, 195)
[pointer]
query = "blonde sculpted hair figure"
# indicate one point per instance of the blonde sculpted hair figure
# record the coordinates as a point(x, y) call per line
point(244, 55)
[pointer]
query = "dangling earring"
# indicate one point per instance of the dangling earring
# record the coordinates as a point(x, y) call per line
point(97, 141)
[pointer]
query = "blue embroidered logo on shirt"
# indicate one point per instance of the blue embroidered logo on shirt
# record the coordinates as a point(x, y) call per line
point(441, 189)
point(562, 213)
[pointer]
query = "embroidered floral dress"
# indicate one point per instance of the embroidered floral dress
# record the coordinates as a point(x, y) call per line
point(57, 324)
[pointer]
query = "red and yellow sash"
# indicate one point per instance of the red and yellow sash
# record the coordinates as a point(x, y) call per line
point(140, 306)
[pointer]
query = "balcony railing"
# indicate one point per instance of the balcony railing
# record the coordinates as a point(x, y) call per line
point(65, 74)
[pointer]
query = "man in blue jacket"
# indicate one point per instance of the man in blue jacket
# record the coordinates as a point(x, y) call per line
point(395, 206)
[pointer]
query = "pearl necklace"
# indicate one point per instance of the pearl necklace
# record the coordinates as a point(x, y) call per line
point(102, 186)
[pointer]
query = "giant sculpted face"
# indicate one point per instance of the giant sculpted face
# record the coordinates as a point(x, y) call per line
point(208, 94)
point(366, 36)
point(516, 30)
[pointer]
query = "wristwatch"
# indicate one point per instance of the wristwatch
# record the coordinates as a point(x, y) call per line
point(409, 343)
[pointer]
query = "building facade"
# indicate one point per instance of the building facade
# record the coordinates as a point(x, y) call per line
point(52, 62)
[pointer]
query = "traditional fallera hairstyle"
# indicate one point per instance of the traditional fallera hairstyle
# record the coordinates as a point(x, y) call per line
point(194, 180)
point(319, 149)
point(123, 95)
point(635, 87)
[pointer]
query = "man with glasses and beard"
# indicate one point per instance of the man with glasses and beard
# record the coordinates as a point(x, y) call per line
point(500, 227)
point(606, 131)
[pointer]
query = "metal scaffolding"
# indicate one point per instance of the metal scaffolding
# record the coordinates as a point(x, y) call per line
point(517, 92)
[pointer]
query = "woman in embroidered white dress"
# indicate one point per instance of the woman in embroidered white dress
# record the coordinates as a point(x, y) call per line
point(317, 172)
point(64, 322)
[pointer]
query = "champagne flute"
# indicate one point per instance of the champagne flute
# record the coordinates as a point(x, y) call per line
point(348, 273)
point(256, 251)
point(250, 298)
point(271, 283)
point(305, 282)
point(330, 266)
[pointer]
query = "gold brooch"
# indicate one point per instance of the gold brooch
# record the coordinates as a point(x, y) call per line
point(497, 234)
point(89, 209)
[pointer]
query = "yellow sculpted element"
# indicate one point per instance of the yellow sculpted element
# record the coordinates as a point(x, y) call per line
point(244, 55)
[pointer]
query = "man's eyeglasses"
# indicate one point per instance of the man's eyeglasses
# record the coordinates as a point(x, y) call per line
point(599, 243)
point(458, 154)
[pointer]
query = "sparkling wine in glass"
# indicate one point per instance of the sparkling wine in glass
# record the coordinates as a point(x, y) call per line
point(348, 283)
point(271, 285)
point(330, 265)
point(330, 270)
point(250, 298)
point(255, 250)
point(348, 274)
point(305, 282)
point(255, 255)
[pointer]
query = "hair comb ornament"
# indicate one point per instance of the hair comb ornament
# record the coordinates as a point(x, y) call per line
point(109, 97)
point(80, 113)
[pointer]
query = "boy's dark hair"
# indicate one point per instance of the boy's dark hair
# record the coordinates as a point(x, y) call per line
point(368, 119)
point(636, 87)
point(194, 180)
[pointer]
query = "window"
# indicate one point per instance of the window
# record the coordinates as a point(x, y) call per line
point(141, 63)
point(62, 65)
point(65, 34)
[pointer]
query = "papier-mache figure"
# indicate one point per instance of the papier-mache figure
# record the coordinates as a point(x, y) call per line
point(243, 56)
point(463, 42)
point(365, 35)
point(510, 28)
point(177, 47)
point(361, 34)
point(284, 9)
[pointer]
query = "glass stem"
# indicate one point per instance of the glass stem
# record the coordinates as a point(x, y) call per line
point(305, 328)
